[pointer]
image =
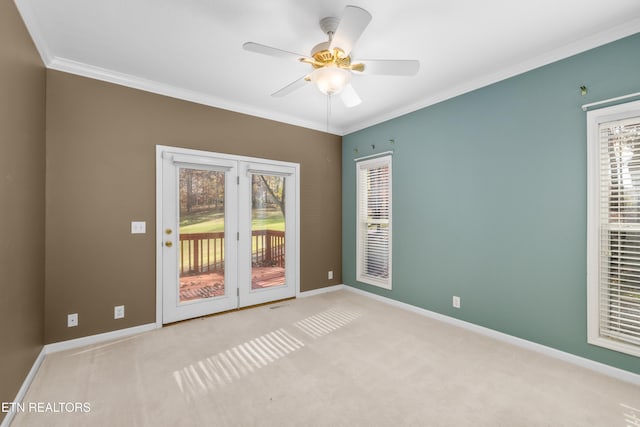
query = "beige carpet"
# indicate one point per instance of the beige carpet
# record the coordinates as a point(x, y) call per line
point(338, 359)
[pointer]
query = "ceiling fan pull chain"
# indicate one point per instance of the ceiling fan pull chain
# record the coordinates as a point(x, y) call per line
point(328, 110)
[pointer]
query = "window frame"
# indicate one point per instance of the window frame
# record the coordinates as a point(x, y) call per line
point(361, 226)
point(594, 119)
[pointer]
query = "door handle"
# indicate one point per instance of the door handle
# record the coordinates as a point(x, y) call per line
point(168, 243)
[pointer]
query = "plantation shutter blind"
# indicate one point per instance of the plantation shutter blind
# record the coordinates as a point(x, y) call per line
point(374, 222)
point(619, 213)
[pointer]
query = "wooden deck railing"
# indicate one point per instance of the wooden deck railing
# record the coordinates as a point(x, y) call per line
point(204, 252)
point(267, 248)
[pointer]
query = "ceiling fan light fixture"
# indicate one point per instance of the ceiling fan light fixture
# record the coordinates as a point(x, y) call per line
point(331, 80)
point(331, 60)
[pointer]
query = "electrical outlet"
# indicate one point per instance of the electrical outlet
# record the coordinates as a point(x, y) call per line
point(330, 275)
point(72, 320)
point(118, 312)
point(456, 302)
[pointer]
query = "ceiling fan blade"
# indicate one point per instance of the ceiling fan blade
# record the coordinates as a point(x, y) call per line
point(349, 96)
point(271, 51)
point(353, 22)
point(390, 67)
point(291, 87)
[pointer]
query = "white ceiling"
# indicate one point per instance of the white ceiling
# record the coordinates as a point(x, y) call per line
point(192, 49)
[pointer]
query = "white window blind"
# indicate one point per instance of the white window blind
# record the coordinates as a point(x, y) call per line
point(615, 284)
point(374, 222)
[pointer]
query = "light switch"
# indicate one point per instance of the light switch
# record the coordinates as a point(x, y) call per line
point(138, 227)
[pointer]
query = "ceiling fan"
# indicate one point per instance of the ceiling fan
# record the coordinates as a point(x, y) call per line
point(331, 62)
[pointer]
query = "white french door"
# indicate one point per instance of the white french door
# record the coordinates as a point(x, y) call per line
point(227, 231)
point(267, 267)
point(199, 226)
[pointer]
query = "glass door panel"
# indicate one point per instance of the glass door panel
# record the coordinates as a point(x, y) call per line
point(201, 256)
point(268, 228)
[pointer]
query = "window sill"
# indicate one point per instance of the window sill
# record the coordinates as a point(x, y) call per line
point(611, 344)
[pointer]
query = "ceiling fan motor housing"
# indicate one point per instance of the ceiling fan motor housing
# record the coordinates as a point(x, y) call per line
point(321, 53)
point(325, 57)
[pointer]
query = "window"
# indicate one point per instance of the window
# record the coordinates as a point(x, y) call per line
point(613, 244)
point(373, 250)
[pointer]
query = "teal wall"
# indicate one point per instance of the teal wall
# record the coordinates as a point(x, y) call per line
point(489, 200)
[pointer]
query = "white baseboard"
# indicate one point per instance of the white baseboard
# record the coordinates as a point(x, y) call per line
point(97, 339)
point(611, 371)
point(320, 291)
point(6, 422)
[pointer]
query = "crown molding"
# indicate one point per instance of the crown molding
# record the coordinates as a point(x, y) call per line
point(147, 85)
point(29, 17)
point(58, 63)
point(616, 33)
point(86, 70)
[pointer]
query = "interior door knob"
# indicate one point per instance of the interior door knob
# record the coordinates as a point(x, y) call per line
point(168, 243)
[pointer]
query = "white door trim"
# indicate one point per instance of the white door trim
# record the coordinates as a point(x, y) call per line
point(186, 153)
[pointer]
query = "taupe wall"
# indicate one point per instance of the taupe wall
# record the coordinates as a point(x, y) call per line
point(22, 166)
point(101, 142)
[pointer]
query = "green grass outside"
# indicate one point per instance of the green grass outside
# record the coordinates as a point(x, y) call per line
point(263, 219)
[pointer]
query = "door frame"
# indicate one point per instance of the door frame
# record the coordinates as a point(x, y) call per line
point(159, 240)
